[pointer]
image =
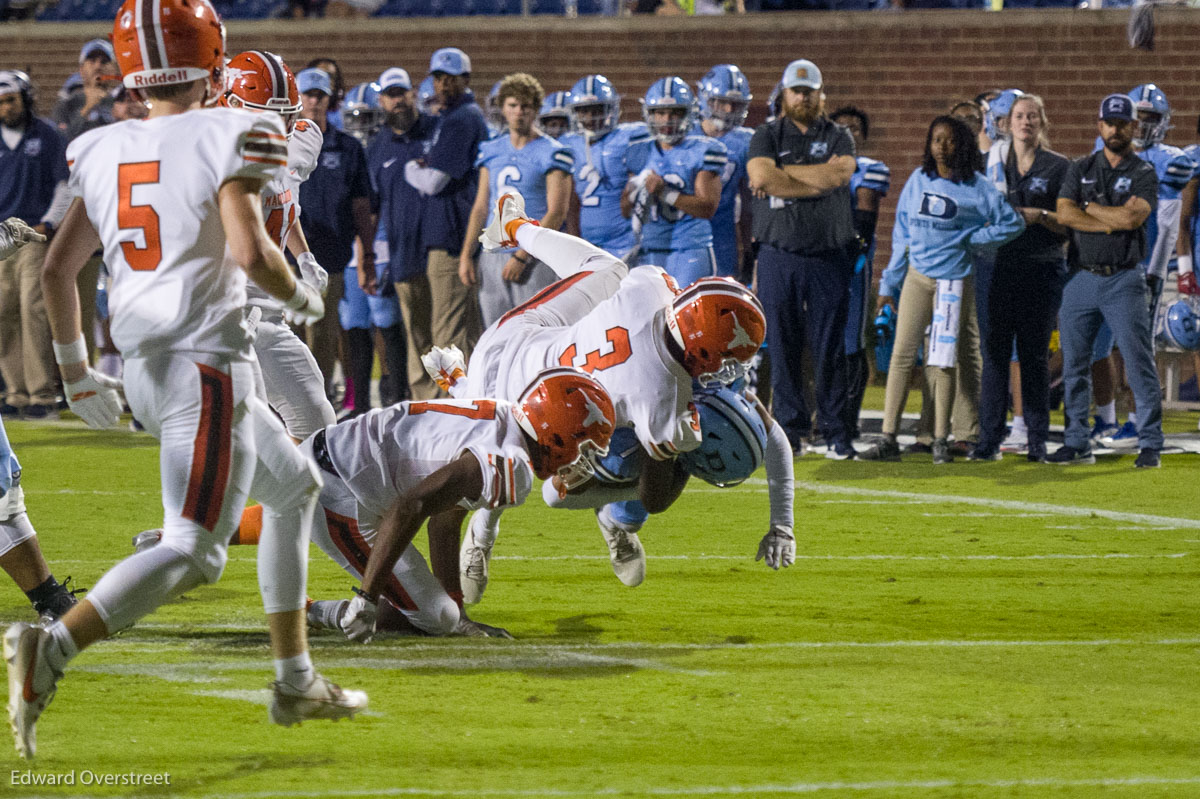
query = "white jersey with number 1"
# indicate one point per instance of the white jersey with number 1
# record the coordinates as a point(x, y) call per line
point(165, 247)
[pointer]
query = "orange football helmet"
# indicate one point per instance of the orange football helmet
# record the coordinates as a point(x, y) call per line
point(261, 81)
point(719, 324)
point(570, 417)
point(163, 42)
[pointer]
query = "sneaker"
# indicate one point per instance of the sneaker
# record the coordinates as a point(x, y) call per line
point(1125, 438)
point(943, 452)
point(918, 448)
point(147, 539)
point(24, 647)
point(960, 449)
point(320, 700)
point(325, 614)
point(984, 453)
point(1069, 456)
point(839, 452)
point(624, 550)
point(885, 449)
point(1147, 459)
point(473, 567)
point(1102, 429)
point(501, 233)
point(1017, 440)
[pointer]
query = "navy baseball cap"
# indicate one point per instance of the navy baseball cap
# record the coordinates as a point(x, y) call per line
point(450, 60)
point(313, 79)
point(1117, 106)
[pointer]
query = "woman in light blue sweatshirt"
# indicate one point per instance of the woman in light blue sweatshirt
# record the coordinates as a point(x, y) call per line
point(946, 211)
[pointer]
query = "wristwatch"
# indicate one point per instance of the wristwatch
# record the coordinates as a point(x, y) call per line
point(1045, 215)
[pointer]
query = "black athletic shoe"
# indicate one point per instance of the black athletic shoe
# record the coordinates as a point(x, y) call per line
point(1147, 459)
point(942, 451)
point(885, 449)
point(1069, 456)
point(984, 453)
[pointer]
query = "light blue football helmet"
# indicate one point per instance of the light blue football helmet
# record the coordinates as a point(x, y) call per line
point(491, 109)
point(999, 108)
point(669, 93)
point(622, 464)
point(595, 106)
point(1182, 327)
point(426, 95)
point(733, 438)
point(1149, 99)
point(554, 118)
point(775, 102)
point(724, 83)
point(361, 114)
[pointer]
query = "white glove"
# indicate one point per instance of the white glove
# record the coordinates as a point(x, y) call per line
point(358, 620)
point(250, 323)
point(779, 548)
point(305, 306)
point(445, 365)
point(95, 398)
point(312, 273)
point(15, 234)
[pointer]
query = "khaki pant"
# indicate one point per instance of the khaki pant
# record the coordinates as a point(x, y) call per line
point(324, 336)
point(26, 357)
point(455, 316)
point(954, 389)
point(416, 307)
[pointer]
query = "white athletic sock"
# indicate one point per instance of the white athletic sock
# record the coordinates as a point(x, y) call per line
point(485, 526)
point(297, 671)
point(1018, 424)
point(562, 252)
point(60, 649)
point(1133, 418)
point(1107, 413)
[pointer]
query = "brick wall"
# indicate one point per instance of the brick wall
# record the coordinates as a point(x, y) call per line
point(901, 67)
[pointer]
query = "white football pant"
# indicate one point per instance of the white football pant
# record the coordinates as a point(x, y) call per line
point(289, 379)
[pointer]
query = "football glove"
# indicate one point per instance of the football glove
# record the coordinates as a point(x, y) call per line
point(312, 273)
point(305, 306)
point(446, 366)
point(15, 234)
point(358, 620)
point(95, 399)
point(778, 546)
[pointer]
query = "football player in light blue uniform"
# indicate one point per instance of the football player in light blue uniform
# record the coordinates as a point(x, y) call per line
point(1190, 232)
point(1174, 168)
point(538, 167)
point(606, 154)
point(679, 188)
point(724, 94)
point(491, 112)
point(554, 118)
point(868, 186)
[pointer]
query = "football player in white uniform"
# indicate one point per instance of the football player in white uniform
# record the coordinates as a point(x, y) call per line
point(389, 471)
point(635, 332)
point(163, 197)
point(288, 376)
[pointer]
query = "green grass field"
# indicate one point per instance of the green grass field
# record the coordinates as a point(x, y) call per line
point(980, 630)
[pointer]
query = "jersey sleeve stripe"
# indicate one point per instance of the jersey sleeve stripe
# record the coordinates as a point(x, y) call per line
point(272, 161)
point(262, 134)
point(264, 149)
point(512, 483)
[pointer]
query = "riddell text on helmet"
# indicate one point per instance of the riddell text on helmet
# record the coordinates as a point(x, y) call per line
point(161, 78)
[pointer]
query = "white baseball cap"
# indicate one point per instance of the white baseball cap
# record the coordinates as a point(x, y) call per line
point(394, 76)
point(801, 73)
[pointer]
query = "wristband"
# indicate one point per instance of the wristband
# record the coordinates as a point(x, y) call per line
point(364, 595)
point(75, 352)
point(299, 298)
point(1185, 264)
point(671, 197)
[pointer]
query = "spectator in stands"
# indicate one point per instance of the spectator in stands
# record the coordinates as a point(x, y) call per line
point(539, 168)
point(335, 205)
point(800, 167)
point(1106, 200)
point(868, 186)
point(90, 105)
point(447, 179)
point(1026, 287)
point(946, 211)
point(33, 188)
point(404, 137)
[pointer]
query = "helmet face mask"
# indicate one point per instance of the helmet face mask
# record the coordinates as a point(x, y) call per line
point(724, 95)
point(1153, 113)
point(733, 438)
point(554, 117)
point(669, 110)
point(595, 106)
point(361, 114)
point(570, 419)
point(1181, 326)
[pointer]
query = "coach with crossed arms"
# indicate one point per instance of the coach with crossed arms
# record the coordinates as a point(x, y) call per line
point(1106, 199)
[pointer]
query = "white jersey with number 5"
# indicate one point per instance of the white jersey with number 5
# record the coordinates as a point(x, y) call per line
point(622, 343)
point(150, 188)
point(281, 197)
point(388, 451)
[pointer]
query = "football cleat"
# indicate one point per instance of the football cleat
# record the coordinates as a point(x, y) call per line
point(322, 699)
point(473, 566)
point(147, 539)
point(624, 550)
point(501, 232)
point(1123, 438)
point(24, 648)
point(63, 600)
point(445, 366)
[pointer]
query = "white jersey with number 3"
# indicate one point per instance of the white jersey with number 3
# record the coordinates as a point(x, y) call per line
point(622, 343)
point(150, 188)
point(388, 451)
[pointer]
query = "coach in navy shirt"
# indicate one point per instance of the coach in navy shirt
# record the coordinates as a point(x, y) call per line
point(446, 178)
point(335, 209)
point(33, 167)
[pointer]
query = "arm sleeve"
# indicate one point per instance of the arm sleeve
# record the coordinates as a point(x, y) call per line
point(781, 480)
point(58, 161)
point(450, 153)
point(1003, 222)
point(427, 180)
point(59, 203)
point(597, 496)
point(1168, 234)
point(892, 279)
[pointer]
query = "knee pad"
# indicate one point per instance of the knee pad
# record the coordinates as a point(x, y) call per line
point(439, 617)
point(207, 551)
point(15, 530)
